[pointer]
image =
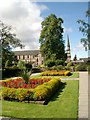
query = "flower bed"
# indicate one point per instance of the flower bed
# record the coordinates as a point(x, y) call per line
point(19, 83)
point(56, 73)
point(40, 93)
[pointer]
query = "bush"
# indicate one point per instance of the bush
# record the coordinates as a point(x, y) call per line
point(56, 73)
point(81, 68)
point(45, 91)
point(28, 66)
point(36, 70)
point(49, 63)
point(17, 94)
point(59, 62)
point(10, 72)
point(67, 73)
point(8, 63)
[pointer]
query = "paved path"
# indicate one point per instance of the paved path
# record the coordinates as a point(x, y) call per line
point(83, 95)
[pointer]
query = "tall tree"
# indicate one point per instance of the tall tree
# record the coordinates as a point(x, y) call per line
point(51, 38)
point(8, 41)
point(85, 29)
point(75, 58)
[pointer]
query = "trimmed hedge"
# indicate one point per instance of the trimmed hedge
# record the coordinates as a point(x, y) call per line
point(56, 73)
point(41, 92)
point(10, 72)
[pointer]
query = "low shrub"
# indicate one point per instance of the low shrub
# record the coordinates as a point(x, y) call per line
point(10, 72)
point(81, 67)
point(56, 73)
point(67, 73)
point(36, 70)
point(41, 92)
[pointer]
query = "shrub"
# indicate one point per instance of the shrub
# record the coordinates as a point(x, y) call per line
point(45, 91)
point(67, 73)
point(10, 72)
point(36, 70)
point(49, 63)
point(8, 63)
point(81, 67)
point(59, 62)
point(55, 73)
point(17, 94)
point(28, 66)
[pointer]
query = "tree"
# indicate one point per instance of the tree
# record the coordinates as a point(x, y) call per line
point(8, 41)
point(75, 58)
point(51, 38)
point(85, 29)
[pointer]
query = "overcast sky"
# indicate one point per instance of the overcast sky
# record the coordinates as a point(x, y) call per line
point(25, 18)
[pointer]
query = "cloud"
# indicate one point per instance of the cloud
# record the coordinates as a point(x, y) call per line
point(25, 18)
point(78, 47)
point(67, 30)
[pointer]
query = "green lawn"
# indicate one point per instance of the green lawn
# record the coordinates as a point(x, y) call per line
point(64, 104)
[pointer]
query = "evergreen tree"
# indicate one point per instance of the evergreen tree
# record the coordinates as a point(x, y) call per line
point(51, 38)
point(75, 58)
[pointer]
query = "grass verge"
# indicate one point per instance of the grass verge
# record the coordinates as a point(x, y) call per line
point(64, 104)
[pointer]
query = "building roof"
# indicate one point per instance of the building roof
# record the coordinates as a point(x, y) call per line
point(27, 52)
point(85, 59)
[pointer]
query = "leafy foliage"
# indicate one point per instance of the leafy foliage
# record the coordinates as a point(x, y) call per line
point(51, 40)
point(85, 29)
point(8, 41)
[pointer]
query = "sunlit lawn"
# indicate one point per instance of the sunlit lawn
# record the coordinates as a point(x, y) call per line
point(64, 104)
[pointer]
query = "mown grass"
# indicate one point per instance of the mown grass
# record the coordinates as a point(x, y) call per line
point(64, 104)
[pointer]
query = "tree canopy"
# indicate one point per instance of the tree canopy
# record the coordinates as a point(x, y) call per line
point(51, 38)
point(8, 41)
point(85, 29)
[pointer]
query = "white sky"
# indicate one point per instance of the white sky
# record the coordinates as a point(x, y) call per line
point(24, 17)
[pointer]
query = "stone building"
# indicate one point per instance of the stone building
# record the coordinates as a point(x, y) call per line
point(33, 56)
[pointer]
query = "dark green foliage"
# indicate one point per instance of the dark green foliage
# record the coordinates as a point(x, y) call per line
point(59, 62)
point(75, 58)
point(28, 66)
point(81, 67)
point(10, 72)
point(49, 63)
point(51, 40)
point(36, 70)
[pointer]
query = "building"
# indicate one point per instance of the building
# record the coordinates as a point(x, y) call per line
point(33, 56)
point(68, 51)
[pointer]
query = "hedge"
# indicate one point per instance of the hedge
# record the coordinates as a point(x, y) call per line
point(56, 73)
point(40, 93)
